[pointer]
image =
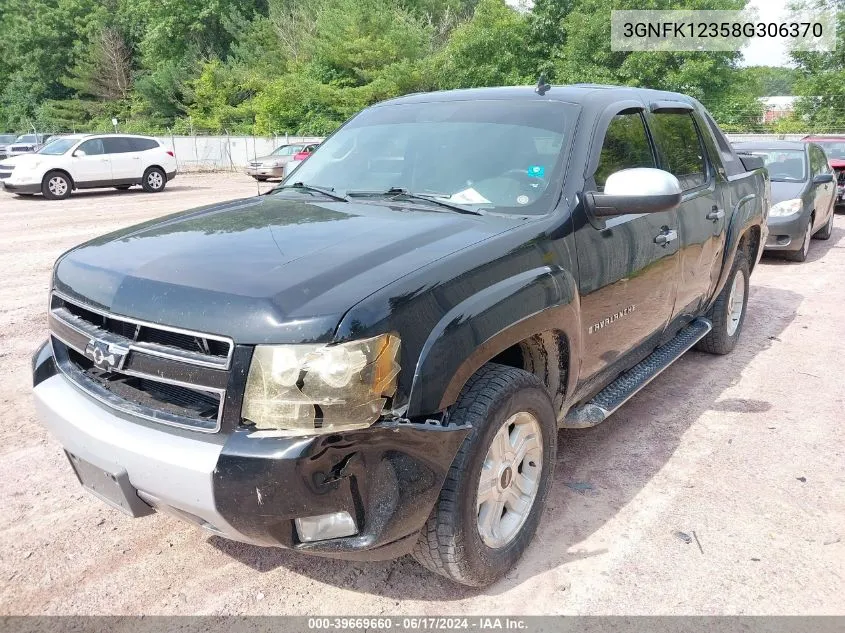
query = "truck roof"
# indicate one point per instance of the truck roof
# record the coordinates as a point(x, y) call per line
point(761, 144)
point(583, 94)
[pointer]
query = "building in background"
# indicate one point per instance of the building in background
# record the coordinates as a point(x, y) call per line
point(777, 108)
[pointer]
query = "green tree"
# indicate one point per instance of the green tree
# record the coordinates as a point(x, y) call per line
point(586, 55)
point(488, 50)
point(821, 75)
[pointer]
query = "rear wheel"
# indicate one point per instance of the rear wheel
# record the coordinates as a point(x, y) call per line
point(826, 231)
point(801, 254)
point(493, 497)
point(728, 311)
point(154, 180)
point(56, 185)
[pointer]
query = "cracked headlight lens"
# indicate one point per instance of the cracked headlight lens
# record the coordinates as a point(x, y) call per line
point(314, 389)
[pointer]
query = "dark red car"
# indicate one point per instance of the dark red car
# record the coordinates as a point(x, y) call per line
point(834, 147)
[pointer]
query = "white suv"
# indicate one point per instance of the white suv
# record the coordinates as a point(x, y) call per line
point(86, 161)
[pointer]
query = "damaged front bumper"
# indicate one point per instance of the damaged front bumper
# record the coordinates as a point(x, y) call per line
point(252, 489)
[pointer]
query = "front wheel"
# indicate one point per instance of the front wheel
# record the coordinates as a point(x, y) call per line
point(56, 186)
point(154, 180)
point(493, 497)
point(825, 232)
point(728, 311)
point(801, 254)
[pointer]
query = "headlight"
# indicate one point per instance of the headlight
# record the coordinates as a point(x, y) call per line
point(787, 207)
point(314, 389)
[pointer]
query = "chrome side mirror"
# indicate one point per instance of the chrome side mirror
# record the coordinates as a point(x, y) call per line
point(636, 190)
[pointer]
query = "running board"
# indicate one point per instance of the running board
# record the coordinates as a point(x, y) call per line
point(631, 381)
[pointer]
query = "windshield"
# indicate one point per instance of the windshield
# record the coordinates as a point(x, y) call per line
point(6, 138)
point(501, 155)
point(26, 138)
point(833, 149)
point(784, 165)
point(59, 146)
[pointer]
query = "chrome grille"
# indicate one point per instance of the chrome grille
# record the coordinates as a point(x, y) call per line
point(164, 374)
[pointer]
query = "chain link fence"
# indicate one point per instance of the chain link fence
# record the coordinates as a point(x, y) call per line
point(225, 153)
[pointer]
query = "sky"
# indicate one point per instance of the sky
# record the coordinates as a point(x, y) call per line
point(767, 51)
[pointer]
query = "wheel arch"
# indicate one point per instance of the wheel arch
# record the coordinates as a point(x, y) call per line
point(64, 172)
point(744, 231)
point(529, 321)
point(156, 166)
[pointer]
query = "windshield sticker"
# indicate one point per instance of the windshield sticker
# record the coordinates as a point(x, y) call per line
point(523, 199)
point(468, 196)
point(536, 171)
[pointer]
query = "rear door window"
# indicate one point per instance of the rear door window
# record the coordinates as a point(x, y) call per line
point(142, 144)
point(625, 146)
point(681, 148)
point(117, 145)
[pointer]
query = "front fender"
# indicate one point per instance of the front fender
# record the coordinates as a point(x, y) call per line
point(538, 301)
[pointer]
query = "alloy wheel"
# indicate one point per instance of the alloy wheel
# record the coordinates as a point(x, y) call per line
point(155, 180)
point(736, 303)
point(510, 479)
point(57, 186)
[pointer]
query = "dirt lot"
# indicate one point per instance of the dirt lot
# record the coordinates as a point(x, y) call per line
point(746, 453)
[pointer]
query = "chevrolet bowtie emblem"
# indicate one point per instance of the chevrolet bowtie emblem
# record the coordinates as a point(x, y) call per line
point(106, 356)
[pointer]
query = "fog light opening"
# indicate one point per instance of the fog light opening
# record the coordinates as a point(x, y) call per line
point(325, 526)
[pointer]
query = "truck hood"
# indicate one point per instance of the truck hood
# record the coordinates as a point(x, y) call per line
point(269, 269)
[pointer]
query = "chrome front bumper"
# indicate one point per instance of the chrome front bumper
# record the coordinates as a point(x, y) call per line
point(269, 172)
point(172, 472)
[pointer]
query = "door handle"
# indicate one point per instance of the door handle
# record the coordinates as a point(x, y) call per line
point(666, 237)
point(716, 214)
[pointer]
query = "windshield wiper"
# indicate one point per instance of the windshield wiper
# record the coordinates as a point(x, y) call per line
point(401, 192)
point(326, 191)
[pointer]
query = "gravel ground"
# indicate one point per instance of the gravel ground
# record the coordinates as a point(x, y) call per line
point(742, 453)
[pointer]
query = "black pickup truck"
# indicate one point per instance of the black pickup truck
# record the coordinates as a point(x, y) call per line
point(375, 357)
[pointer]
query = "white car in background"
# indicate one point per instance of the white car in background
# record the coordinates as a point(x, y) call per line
point(87, 161)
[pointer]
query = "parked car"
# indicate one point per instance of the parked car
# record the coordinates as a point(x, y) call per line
point(803, 194)
point(86, 161)
point(299, 157)
point(26, 144)
point(374, 358)
point(834, 147)
point(273, 165)
point(5, 141)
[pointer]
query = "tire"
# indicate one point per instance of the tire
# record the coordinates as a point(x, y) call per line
point(154, 180)
point(801, 254)
point(260, 178)
point(122, 187)
point(825, 232)
point(727, 324)
point(56, 185)
point(451, 543)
